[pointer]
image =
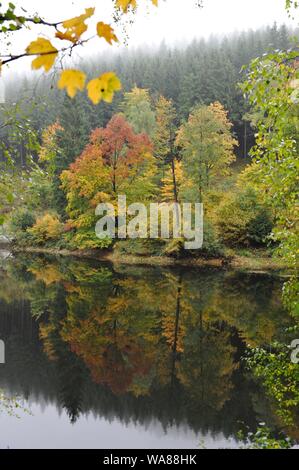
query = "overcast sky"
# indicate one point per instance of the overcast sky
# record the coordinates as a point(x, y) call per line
point(174, 21)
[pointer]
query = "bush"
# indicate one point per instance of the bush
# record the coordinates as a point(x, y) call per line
point(243, 220)
point(211, 248)
point(140, 247)
point(46, 229)
point(87, 240)
point(21, 220)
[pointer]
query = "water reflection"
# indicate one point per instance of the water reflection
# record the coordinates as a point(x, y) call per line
point(138, 344)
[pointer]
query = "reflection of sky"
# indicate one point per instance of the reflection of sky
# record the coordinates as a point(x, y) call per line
point(47, 428)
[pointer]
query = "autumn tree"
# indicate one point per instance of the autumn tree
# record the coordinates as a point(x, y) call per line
point(207, 145)
point(116, 161)
point(165, 149)
point(126, 154)
point(172, 182)
point(49, 149)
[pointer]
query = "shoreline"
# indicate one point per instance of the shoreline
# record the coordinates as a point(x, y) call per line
point(238, 262)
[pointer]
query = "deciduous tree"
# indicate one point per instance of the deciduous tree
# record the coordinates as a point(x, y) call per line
point(207, 145)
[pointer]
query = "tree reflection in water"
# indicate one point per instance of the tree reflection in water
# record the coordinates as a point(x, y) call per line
point(139, 343)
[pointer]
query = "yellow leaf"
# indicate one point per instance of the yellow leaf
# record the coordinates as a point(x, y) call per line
point(76, 26)
point(64, 36)
point(103, 88)
point(105, 31)
point(125, 4)
point(45, 51)
point(72, 81)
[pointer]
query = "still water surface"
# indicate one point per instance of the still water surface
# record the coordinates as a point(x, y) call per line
point(132, 357)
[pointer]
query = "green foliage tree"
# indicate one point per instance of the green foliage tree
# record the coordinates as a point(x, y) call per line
point(206, 145)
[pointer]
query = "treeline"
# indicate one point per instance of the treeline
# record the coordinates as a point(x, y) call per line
point(203, 72)
point(142, 154)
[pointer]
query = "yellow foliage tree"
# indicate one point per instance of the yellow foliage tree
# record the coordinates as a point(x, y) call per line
point(168, 186)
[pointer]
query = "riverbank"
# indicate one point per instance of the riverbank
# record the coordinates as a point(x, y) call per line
point(253, 261)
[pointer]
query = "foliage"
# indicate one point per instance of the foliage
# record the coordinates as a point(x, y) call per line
point(116, 161)
point(201, 72)
point(164, 140)
point(19, 139)
point(165, 129)
point(264, 438)
point(206, 145)
point(138, 112)
point(280, 378)
point(86, 239)
point(139, 247)
point(242, 219)
point(121, 159)
point(49, 149)
point(291, 296)
point(271, 87)
point(272, 90)
point(46, 228)
point(21, 220)
point(212, 247)
point(172, 182)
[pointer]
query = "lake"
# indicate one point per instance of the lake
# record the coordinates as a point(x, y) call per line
point(102, 356)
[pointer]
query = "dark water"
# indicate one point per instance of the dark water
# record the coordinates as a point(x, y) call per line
point(132, 357)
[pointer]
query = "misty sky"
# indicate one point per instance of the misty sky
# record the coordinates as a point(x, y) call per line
point(175, 21)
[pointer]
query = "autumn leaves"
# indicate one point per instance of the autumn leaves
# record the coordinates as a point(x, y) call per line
point(103, 88)
point(46, 54)
point(73, 80)
point(100, 88)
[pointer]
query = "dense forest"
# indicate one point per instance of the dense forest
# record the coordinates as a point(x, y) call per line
point(199, 73)
point(169, 97)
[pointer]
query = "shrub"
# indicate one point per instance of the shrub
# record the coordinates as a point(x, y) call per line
point(211, 248)
point(140, 247)
point(47, 228)
point(243, 220)
point(260, 227)
point(21, 220)
point(87, 240)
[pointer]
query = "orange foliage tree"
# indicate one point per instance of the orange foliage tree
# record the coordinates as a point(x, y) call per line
point(116, 161)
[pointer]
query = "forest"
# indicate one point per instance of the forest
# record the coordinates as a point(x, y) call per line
point(64, 164)
point(202, 338)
